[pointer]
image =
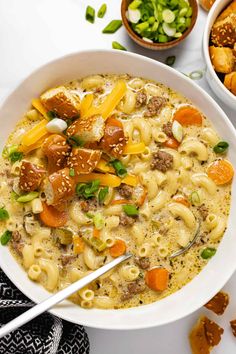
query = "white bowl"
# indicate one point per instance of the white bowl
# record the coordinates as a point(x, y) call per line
point(217, 86)
point(219, 269)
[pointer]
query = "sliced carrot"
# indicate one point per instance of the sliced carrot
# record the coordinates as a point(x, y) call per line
point(78, 244)
point(220, 171)
point(181, 200)
point(96, 232)
point(157, 279)
point(52, 217)
point(171, 143)
point(118, 248)
point(85, 105)
point(142, 198)
point(120, 201)
point(188, 115)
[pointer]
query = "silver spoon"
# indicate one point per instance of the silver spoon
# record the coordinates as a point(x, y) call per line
point(189, 245)
point(58, 297)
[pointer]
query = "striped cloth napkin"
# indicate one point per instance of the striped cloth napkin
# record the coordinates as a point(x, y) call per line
point(47, 334)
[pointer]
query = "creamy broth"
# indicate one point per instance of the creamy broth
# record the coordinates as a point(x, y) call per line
point(172, 199)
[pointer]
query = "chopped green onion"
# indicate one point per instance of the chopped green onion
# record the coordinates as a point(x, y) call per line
point(195, 199)
point(89, 215)
point(51, 114)
point(16, 156)
point(134, 15)
point(99, 221)
point(177, 131)
point(135, 4)
point(112, 27)
point(119, 167)
point(87, 190)
point(208, 253)
point(14, 196)
point(102, 194)
point(72, 172)
point(162, 38)
point(5, 238)
point(12, 153)
point(168, 16)
point(221, 147)
point(196, 75)
point(141, 27)
point(170, 60)
point(96, 243)
point(130, 210)
point(3, 214)
point(90, 14)
point(102, 11)
point(27, 197)
point(75, 140)
point(118, 46)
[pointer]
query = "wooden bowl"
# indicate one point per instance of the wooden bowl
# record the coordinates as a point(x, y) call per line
point(157, 46)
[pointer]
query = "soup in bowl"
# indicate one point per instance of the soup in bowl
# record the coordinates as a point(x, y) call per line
point(101, 162)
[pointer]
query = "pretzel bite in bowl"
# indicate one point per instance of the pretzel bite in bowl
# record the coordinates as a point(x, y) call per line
point(61, 102)
point(89, 129)
point(31, 176)
point(56, 149)
point(113, 141)
point(83, 160)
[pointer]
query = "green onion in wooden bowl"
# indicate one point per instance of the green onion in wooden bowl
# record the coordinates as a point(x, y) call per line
point(159, 24)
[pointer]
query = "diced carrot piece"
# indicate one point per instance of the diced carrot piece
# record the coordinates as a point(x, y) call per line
point(188, 115)
point(52, 217)
point(220, 171)
point(181, 200)
point(118, 248)
point(171, 143)
point(120, 201)
point(157, 279)
point(78, 244)
point(96, 233)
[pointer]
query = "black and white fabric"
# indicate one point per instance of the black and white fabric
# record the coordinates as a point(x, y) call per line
point(47, 334)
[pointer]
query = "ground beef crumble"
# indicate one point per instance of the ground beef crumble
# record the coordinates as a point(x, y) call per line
point(155, 106)
point(125, 191)
point(141, 99)
point(162, 161)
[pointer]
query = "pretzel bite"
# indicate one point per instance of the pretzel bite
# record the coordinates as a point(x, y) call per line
point(83, 160)
point(59, 187)
point(223, 32)
point(205, 335)
point(222, 59)
point(61, 101)
point(56, 149)
point(89, 129)
point(218, 303)
point(228, 11)
point(230, 82)
point(31, 176)
point(113, 141)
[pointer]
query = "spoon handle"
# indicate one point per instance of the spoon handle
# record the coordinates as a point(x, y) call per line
point(59, 296)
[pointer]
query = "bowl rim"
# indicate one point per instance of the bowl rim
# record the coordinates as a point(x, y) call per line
point(154, 45)
point(122, 326)
point(213, 14)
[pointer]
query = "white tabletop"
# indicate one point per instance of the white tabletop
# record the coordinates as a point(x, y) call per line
point(33, 32)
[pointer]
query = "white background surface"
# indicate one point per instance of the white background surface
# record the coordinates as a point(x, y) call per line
point(33, 32)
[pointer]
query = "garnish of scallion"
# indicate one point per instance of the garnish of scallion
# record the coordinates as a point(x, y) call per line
point(102, 11)
point(90, 14)
point(112, 27)
point(118, 46)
